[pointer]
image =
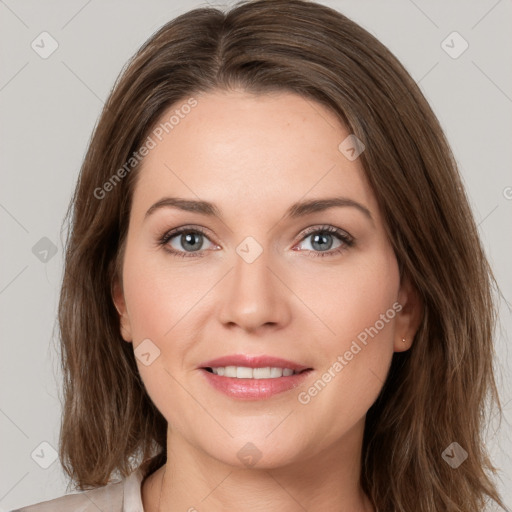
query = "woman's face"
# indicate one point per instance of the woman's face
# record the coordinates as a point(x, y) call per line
point(317, 286)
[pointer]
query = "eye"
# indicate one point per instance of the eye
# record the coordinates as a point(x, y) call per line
point(322, 240)
point(188, 241)
point(185, 241)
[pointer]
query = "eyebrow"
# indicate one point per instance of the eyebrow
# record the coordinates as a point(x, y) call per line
point(296, 210)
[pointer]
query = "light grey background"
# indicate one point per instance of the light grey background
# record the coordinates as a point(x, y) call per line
point(50, 106)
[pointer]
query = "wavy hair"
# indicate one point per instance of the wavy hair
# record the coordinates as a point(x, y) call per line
point(435, 393)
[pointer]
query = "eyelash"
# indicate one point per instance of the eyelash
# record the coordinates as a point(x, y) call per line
point(348, 241)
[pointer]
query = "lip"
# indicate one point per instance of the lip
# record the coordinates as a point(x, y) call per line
point(256, 361)
point(254, 389)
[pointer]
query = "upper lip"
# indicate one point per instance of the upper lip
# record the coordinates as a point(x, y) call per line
point(253, 361)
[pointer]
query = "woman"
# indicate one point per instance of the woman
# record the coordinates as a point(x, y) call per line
point(274, 297)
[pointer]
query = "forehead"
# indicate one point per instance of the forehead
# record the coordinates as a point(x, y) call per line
point(249, 152)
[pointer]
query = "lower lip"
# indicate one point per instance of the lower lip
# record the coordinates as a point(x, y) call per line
point(254, 389)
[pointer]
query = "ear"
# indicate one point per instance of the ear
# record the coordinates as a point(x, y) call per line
point(120, 305)
point(409, 317)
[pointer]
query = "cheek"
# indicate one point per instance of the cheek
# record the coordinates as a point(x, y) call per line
point(158, 299)
point(346, 299)
point(158, 295)
point(355, 341)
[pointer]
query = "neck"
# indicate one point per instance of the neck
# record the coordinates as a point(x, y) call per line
point(192, 480)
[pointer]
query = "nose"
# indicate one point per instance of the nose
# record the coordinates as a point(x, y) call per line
point(255, 295)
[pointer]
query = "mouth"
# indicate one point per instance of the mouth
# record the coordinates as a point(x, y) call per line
point(244, 366)
point(245, 372)
point(253, 377)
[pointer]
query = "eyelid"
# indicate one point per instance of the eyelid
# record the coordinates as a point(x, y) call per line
point(327, 228)
point(186, 228)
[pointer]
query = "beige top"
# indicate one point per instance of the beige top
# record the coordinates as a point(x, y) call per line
point(122, 496)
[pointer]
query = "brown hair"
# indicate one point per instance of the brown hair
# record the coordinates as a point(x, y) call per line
point(435, 393)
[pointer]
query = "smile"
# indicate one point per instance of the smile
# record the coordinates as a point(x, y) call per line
point(244, 372)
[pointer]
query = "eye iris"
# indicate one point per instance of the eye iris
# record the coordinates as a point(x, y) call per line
point(320, 238)
point(187, 240)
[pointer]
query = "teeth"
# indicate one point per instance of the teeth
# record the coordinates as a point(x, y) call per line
point(243, 372)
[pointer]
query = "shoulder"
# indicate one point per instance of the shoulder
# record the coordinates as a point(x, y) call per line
point(121, 496)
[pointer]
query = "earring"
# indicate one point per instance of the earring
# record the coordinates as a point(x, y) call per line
point(404, 340)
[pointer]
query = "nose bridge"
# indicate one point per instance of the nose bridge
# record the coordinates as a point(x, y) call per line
point(255, 296)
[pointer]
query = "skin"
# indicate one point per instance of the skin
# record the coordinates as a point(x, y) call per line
point(253, 156)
